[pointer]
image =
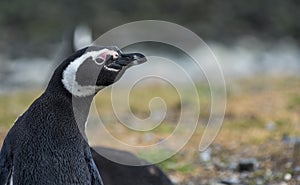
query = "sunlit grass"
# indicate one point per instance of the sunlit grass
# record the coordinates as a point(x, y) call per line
point(294, 102)
point(14, 104)
point(176, 163)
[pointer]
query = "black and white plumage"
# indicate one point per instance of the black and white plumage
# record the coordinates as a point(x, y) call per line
point(146, 174)
point(46, 145)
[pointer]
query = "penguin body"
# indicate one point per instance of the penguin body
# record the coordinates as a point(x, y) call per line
point(43, 148)
point(47, 144)
point(113, 173)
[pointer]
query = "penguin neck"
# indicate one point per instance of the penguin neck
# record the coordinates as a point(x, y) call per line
point(81, 108)
point(80, 105)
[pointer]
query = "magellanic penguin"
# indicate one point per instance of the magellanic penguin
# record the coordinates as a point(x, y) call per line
point(46, 145)
point(114, 173)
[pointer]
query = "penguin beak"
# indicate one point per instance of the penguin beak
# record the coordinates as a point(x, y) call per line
point(131, 59)
point(125, 60)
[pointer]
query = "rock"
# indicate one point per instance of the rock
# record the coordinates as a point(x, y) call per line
point(296, 172)
point(268, 174)
point(247, 165)
point(298, 178)
point(231, 181)
point(218, 164)
point(270, 126)
point(205, 156)
point(232, 166)
point(283, 183)
point(148, 137)
point(260, 182)
point(176, 179)
point(296, 158)
point(287, 177)
point(288, 165)
point(286, 139)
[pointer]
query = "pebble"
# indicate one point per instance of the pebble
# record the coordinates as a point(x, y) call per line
point(259, 182)
point(283, 183)
point(288, 165)
point(287, 177)
point(268, 174)
point(176, 179)
point(148, 137)
point(226, 182)
point(270, 126)
point(232, 165)
point(231, 181)
point(205, 156)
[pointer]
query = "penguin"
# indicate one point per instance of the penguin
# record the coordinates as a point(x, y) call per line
point(145, 174)
point(47, 144)
point(114, 173)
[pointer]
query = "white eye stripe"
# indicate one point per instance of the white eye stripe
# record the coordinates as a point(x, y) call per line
point(69, 75)
point(111, 69)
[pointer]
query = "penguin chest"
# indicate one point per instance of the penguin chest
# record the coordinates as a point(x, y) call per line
point(49, 164)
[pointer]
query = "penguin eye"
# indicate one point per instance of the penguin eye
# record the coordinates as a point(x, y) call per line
point(115, 56)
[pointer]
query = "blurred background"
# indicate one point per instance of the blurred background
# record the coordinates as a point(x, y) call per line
point(256, 43)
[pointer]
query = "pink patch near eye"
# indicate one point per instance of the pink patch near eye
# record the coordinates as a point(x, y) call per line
point(108, 52)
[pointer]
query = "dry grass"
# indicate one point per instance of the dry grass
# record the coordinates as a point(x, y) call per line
point(252, 106)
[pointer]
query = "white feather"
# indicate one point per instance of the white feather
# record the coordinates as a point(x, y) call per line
point(11, 177)
point(17, 119)
point(11, 180)
point(111, 69)
point(69, 76)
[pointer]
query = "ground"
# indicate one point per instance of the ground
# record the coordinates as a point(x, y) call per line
point(260, 113)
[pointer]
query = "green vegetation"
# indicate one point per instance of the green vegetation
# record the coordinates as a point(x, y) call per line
point(171, 164)
point(294, 102)
point(164, 128)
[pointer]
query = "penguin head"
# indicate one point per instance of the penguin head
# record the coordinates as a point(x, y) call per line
point(95, 68)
